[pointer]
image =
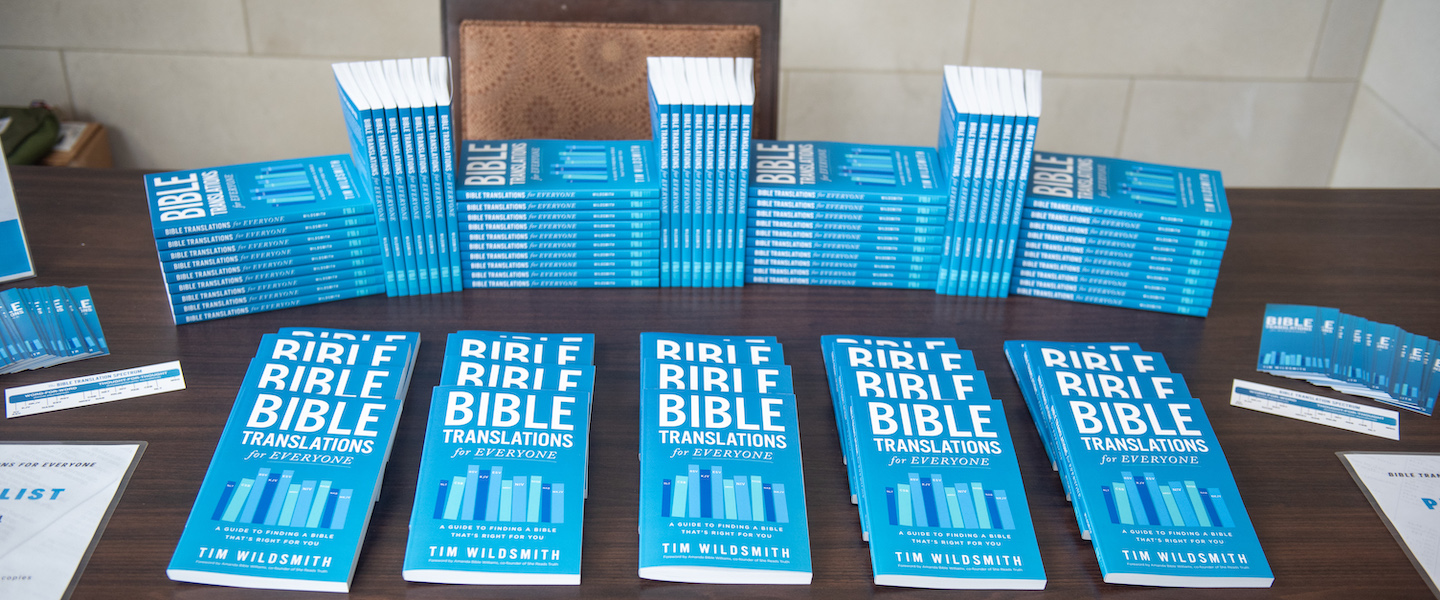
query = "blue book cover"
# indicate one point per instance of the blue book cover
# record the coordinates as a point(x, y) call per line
point(871, 274)
point(561, 215)
point(468, 236)
point(534, 245)
point(935, 462)
point(845, 172)
point(14, 251)
point(581, 226)
point(848, 206)
point(722, 496)
point(269, 193)
point(758, 231)
point(856, 217)
point(1289, 340)
point(287, 498)
point(1122, 189)
point(500, 498)
point(556, 169)
point(478, 346)
point(1162, 505)
point(563, 264)
point(933, 231)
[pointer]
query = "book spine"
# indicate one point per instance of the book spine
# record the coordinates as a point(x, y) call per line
point(476, 275)
point(842, 282)
point(1043, 235)
point(563, 215)
point(933, 231)
point(326, 236)
point(1120, 264)
point(1070, 268)
point(1114, 282)
point(843, 246)
point(1121, 254)
point(1179, 309)
point(248, 309)
point(852, 206)
point(561, 265)
point(531, 245)
point(1117, 292)
point(1122, 235)
point(904, 266)
point(651, 254)
point(221, 260)
point(209, 289)
point(241, 235)
point(758, 231)
point(270, 265)
point(843, 273)
point(563, 283)
point(251, 297)
point(856, 217)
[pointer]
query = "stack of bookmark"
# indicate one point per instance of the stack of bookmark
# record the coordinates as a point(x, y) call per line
point(700, 116)
point(1137, 457)
point(291, 487)
point(931, 465)
point(987, 130)
point(722, 490)
point(248, 238)
point(397, 114)
point(1352, 355)
point(558, 213)
point(505, 458)
point(829, 213)
point(48, 326)
point(1122, 233)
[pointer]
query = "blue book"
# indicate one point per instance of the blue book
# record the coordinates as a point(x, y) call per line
point(1120, 254)
point(1075, 268)
point(875, 274)
point(371, 79)
point(535, 438)
point(764, 241)
point(1043, 234)
point(259, 233)
point(234, 197)
point(705, 447)
point(1089, 220)
point(847, 206)
point(1137, 407)
point(1114, 282)
point(561, 215)
point(483, 274)
point(865, 265)
point(1088, 298)
point(1290, 340)
point(329, 443)
point(707, 74)
point(425, 74)
point(361, 119)
point(759, 231)
point(842, 282)
point(1122, 189)
point(396, 113)
point(14, 252)
point(850, 173)
point(563, 264)
point(560, 205)
point(1030, 105)
point(179, 307)
point(274, 264)
point(440, 87)
point(216, 288)
point(297, 239)
point(745, 92)
point(412, 117)
point(628, 254)
point(652, 244)
point(857, 217)
point(841, 255)
point(641, 235)
point(861, 227)
point(563, 226)
point(658, 94)
point(1117, 263)
point(422, 111)
point(235, 311)
point(639, 282)
point(556, 169)
point(272, 253)
point(1097, 232)
point(1117, 292)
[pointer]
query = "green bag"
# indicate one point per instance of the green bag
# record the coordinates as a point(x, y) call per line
point(30, 135)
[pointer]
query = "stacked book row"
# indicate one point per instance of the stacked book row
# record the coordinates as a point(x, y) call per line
point(931, 465)
point(988, 118)
point(501, 494)
point(290, 489)
point(558, 213)
point(397, 114)
point(47, 326)
point(829, 213)
point(722, 492)
point(1139, 461)
point(1351, 354)
point(700, 116)
point(1121, 233)
point(254, 237)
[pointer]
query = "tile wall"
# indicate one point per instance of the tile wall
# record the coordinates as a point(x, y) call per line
point(1275, 93)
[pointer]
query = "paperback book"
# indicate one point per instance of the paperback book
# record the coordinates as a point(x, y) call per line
point(722, 492)
point(288, 495)
point(47, 326)
point(14, 251)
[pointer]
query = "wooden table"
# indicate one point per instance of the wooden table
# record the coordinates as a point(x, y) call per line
point(1370, 253)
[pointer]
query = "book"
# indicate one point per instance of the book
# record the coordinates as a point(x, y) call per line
point(269, 193)
point(1144, 468)
point(556, 169)
point(1037, 223)
point(47, 326)
point(14, 250)
point(287, 497)
point(932, 457)
point(219, 287)
point(638, 282)
point(1122, 189)
point(269, 305)
point(857, 174)
point(1107, 300)
point(363, 114)
point(722, 495)
point(842, 281)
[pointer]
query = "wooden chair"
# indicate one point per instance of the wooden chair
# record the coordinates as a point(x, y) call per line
point(575, 69)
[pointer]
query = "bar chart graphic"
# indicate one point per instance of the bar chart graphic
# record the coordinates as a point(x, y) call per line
point(283, 184)
point(277, 498)
point(710, 493)
point(1146, 501)
point(483, 494)
point(578, 163)
point(930, 502)
point(870, 166)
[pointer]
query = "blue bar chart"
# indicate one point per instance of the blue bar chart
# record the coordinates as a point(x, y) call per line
point(1146, 501)
point(284, 184)
point(277, 498)
point(710, 493)
point(930, 502)
point(483, 494)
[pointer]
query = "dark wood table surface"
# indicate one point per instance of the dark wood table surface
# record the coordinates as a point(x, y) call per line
point(1371, 253)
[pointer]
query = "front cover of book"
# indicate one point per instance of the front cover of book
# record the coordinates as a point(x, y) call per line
point(500, 499)
point(556, 169)
point(287, 498)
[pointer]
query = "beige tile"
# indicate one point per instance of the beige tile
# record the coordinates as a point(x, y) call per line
point(860, 35)
point(211, 26)
point(1218, 38)
point(1404, 63)
point(1082, 115)
point(872, 108)
point(172, 112)
point(27, 75)
point(1345, 38)
point(345, 28)
point(1255, 133)
point(1382, 151)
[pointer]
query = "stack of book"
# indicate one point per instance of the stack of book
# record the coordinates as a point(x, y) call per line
point(830, 213)
point(931, 465)
point(47, 326)
point(397, 114)
point(248, 238)
point(722, 492)
point(1122, 233)
point(987, 130)
point(558, 213)
point(1139, 461)
point(1352, 355)
point(505, 458)
point(290, 489)
point(700, 116)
